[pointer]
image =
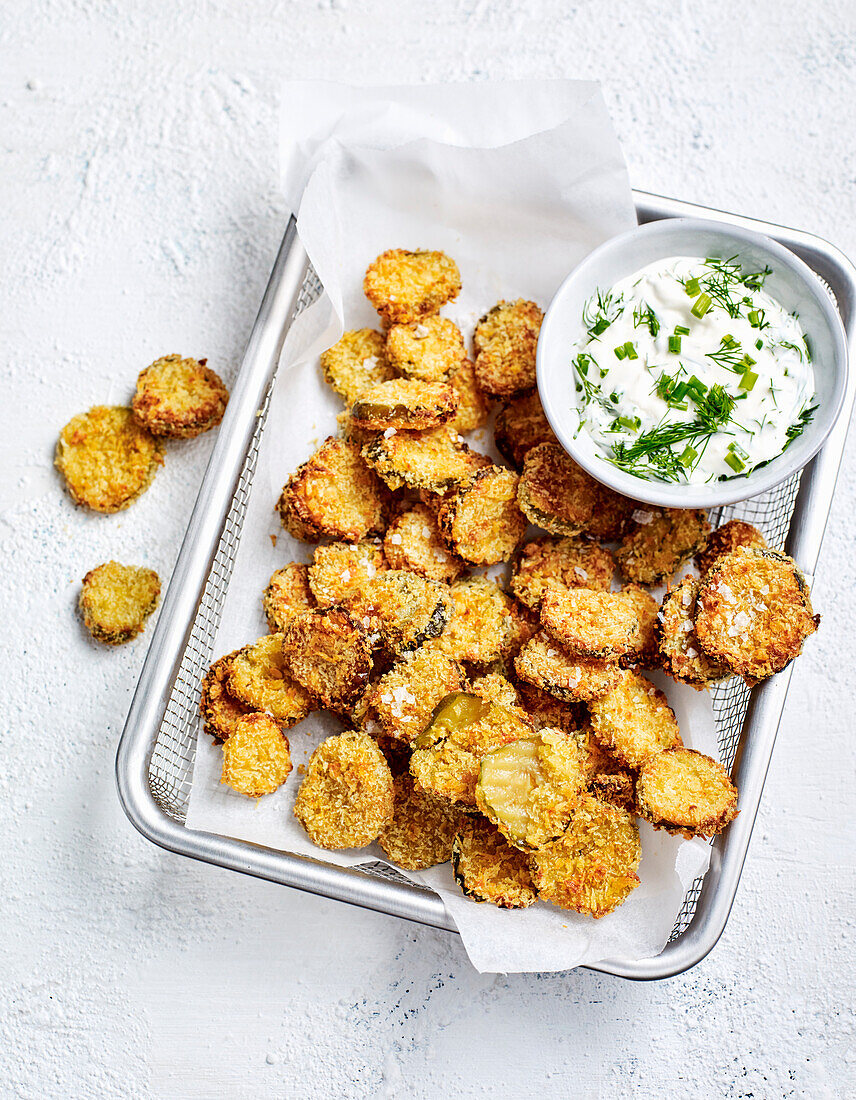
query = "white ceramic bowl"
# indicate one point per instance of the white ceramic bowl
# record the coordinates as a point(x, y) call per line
point(792, 283)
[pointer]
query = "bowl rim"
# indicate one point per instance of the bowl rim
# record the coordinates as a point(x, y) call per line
point(716, 494)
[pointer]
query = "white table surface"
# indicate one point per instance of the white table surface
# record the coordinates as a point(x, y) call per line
point(140, 216)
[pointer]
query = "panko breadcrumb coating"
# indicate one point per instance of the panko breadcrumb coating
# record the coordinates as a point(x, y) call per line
point(356, 361)
point(488, 869)
point(429, 349)
point(422, 829)
point(256, 758)
point(686, 792)
point(403, 609)
point(598, 626)
point(404, 403)
point(730, 536)
point(435, 459)
point(412, 541)
point(555, 493)
point(597, 761)
point(645, 650)
point(505, 341)
point(220, 711)
point(617, 788)
point(473, 406)
point(408, 286)
point(328, 654)
point(107, 458)
point(481, 522)
point(521, 425)
point(682, 656)
point(116, 600)
point(544, 663)
point(482, 623)
point(660, 540)
point(257, 678)
point(494, 687)
point(341, 570)
point(179, 398)
point(402, 701)
point(634, 720)
point(556, 564)
point(545, 711)
point(287, 591)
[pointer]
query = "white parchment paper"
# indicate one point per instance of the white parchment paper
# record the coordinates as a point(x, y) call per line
point(517, 182)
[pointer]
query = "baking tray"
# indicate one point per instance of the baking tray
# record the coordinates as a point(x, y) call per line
point(154, 764)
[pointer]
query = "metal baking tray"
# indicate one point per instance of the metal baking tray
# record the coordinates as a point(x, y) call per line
point(154, 764)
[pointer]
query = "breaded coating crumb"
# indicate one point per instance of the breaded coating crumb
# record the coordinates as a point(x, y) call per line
point(328, 654)
point(555, 493)
point(521, 425)
point(346, 797)
point(544, 663)
point(592, 869)
point(547, 712)
point(435, 459)
point(357, 361)
point(116, 600)
point(341, 570)
point(179, 398)
point(551, 564)
point(256, 758)
point(730, 536)
point(408, 286)
point(616, 788)
point(597, 626)
point(481, 522)
point(481, 624)
point(494, 687)
point(473, 407)
point(422, 829)
point(403, 609)
point(505, 340)
point(288, 591)
point(682, 656)
point(660, 540)
point(686, 792)
point(258, 679)
point(412, 541)
point(634, 720)
point(754, 612)
point(645, 650)
point(402, 701)
point(107, 458)
point(404, 403)
point(349, 431)
point(488, 869)
point(220, 711)
point(334, 494)
point(429, 349)
point(596, 760)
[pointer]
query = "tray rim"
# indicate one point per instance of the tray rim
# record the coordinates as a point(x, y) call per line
point(202, 537)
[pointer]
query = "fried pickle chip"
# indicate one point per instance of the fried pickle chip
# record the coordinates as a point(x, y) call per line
point(596, 626)
point(357, 361)
point(412, 541)
point(482, 624)
point(346, 797)
point(547, 712)
point(341, 570)
point(402, 701)
point(634, 720)
point(481, 522)
point(596, 760)
point(429, 349)
point(408, 286)
point(220, 711)
point(686, 792)
point(107, 458)
point(521, 425)
point(545, 664)
point(682, 656)
point(494, 687)
point(505, 340)
point(327, 653)
point(334, 494)
point(256, 757)
point(349, 431)
point(434, 459)
point(555, 493)
point(617, 788)
point(645, 650)
point(288, 591)
point(659, 542)
point(730, 536)
point(404, 609)
point(754, 612)
point(422, 829)
point(473, 407)
point(555, 564)
point(404, 403)
point(487, 868)
point(179, 398)
point(592, 869)
point(116, 600)
point(257, 678)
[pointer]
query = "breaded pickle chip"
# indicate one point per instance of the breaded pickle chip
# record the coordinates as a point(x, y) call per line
point(521, 425)
point(412, 541)
point(530, 789)
point(634, 720)
point(408, 286)
point(645, 650)
point(592, 869)
point(682, 656)
point(422, 829)
point(334, 494)
point(107, 458)
point(482, 623)
point(404, 403)
point(256, 757)
point(505, 340)
point(473, 408)
point(481, 521)
point(686, 792)
point(545, 664)
point(349, 431)
point(404, 609)
point(328, 654)
point(753, 612)
point(402, 701)
point(551, 564)
point(730, 536)
point(660, 540)
point(434, 459)
point(616, 788)
point(597, 626)
point(346, 797)
point(547, 712)
point(116, 600)
point(220, 711)
point(429, 349)
point(555, 493)
point(342, 570)
point(288, 591)
point(179, 398)
point(596, 760)
point(487, 868)
point(356, 361)
point(257, 678)
point(494, 687)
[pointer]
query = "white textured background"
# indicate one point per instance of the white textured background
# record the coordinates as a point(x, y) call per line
point(140, 215)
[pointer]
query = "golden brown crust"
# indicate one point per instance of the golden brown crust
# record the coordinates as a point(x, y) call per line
point(403, 609)
point(488, 869)
point(473, 406)
point(412, 541)
point(287, 591)
point(328, 654)
point(429, 349)
point(686, 792)
point(494, 687)
point(404, 404)
point(116, 600)
point(505, 341)
point(220, 711)
point(401, 702)
point(659, 541)
point(422, 829)
point(555, 493)
point(559, 564)
point(179, 398)
point(481, 522)
point(634, 721)
point(544, 663)
point(357, 360)
point(547, 712)
point(435, 460)
point(681, 655)
point(618, 788)
point(408, 286)
point(256, 758)
point(258, 679)
point(341, 571)
point(521, 425)
point(645, 650)
point(730, 536)
point(597, 626)
point(482, 625)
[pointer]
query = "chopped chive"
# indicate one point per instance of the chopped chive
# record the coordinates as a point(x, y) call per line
point(681, 330)
point(615, 397)
point(692, 287)
point(603, 372)
point(632, 423)
point(688, 456)
point(759, 343)
point(675, 344)
point(807, 348)
point(600, 326)
point(680, 391)
point(736, 464)
point(701, 305)
point(630, 350)
point(696, 386)
point(747, 361)
point(620, 353)
point(754, 316)
point(748, 380)
point(728, 341)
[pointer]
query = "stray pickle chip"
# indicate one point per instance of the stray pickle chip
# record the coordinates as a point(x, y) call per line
point(429, 349)
point(403, 608)
point(328, 654)
point(521, 425)
point(258, 679)
point(730, 536)
point(257, 757)
point(547, 712)
point(686, 792)
point(659, 542)
point(481, 626)
point(473, 409)
point(754, 612)
point(179, 398)
point(481, 522)
point(433, 459)
point(408, 286)
point(555, 493)
point(592, 869)
point(412, 541)
point(342, 570)
point(287, 591)
point(116, 600)
point(597, 626)
point(645, 650)
point(555, 564)
point(545, 664)
point(422, 829)
point(634, 720)
point(346, 797)
point(358, 360)
point(505, 340)
point(402, 701)
point(487, 868)
point(682, 656)
point(530, 788)
point(107, 458)
point(404, 403)
point(333, 494)
point(220, 710)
